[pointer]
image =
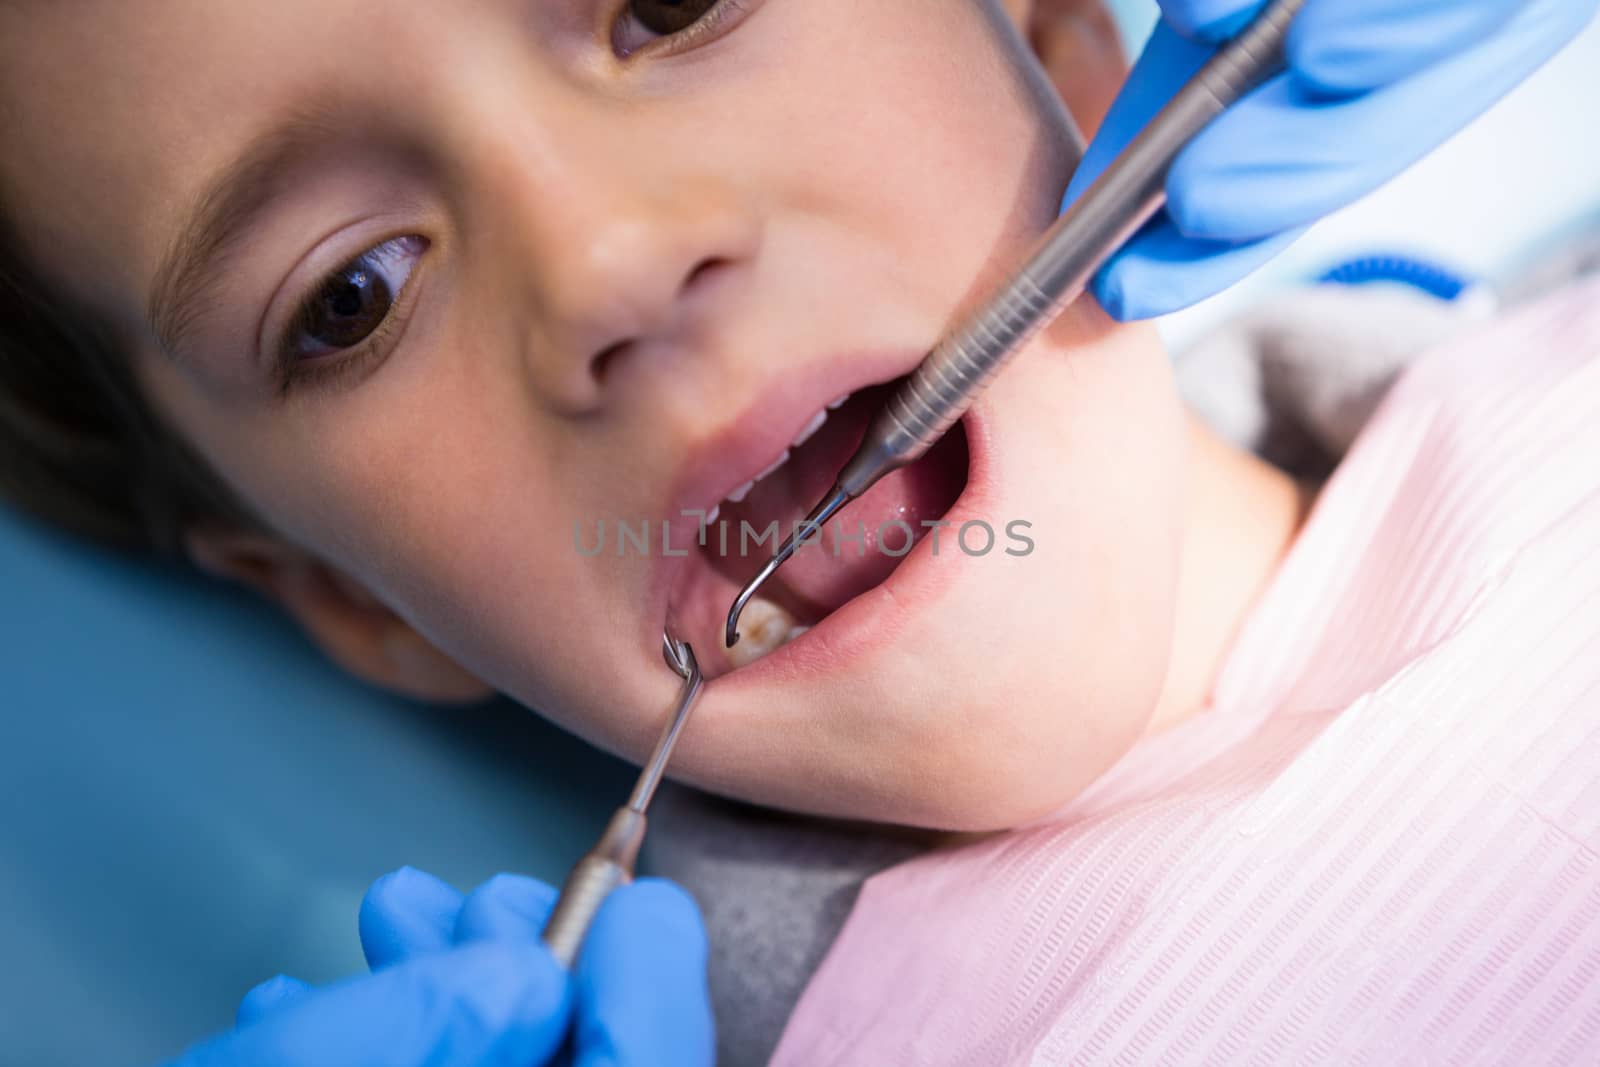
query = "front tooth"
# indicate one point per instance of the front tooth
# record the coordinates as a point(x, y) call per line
point(762, 627)
point(781, 460)
point(835, 405)
point(810, 428)
point(711, 516)
point(740, 493)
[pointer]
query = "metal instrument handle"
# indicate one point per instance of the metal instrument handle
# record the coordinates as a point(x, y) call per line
point(1126, 196)
point(606, 867)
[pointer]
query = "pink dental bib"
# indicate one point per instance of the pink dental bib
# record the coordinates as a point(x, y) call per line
point(1379, 844)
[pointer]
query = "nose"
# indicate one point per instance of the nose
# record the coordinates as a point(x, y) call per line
point(622, 250)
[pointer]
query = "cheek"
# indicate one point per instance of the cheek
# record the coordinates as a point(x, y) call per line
point(1073, 660)
point(430, 483)
point(452, 501)
point(909, 128)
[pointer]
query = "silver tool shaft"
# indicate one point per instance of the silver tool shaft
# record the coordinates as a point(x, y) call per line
point(1125, 197)
point(611, 862)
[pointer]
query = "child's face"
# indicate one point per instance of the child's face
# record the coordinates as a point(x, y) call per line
point(601, 288)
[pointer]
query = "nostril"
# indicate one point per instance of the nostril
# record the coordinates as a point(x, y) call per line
point(702, 272)
point(601, 364)
point(602, 361)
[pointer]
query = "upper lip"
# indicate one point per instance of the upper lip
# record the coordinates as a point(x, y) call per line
point(748, 444)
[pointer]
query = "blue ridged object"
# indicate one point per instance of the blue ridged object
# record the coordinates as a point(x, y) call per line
point(1432, 278)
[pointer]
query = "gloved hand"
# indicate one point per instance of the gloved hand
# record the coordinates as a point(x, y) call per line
point(1372, 86)
point(465, 981)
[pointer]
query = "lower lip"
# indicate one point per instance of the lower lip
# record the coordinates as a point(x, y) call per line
point(878, 616)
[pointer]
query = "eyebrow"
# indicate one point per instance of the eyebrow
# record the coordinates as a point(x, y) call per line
point(221, 215)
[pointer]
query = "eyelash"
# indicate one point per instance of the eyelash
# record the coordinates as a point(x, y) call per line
point(296, 374)
point(710, 25)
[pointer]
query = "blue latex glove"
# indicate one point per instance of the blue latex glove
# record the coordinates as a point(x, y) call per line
point(1372, 86)
point(465, 981)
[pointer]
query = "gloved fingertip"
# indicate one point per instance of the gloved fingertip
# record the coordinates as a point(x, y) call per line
point(1109, 289)
point(650, 911)
point(1322, 70)
point(641, 980)
point(406, 913)
point(1158, 273)
point(1162, 272)
point(1199, 200)
point(1330, 57)
point(506, 907)
point(663, 904)
point(1342, 47)
point(408, 883)
point(270, 996)
point(1238, 208)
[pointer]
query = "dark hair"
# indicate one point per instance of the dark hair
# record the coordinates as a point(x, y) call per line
point(80, 447)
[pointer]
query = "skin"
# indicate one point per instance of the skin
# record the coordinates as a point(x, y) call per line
point(624, 255)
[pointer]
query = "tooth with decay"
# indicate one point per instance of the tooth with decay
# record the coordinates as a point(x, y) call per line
point(763, 628)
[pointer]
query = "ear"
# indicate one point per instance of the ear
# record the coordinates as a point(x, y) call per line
point(350, 625)
point(1080, 48)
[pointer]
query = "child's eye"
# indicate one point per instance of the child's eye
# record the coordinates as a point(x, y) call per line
point(355, 299)
point(669, 16)
point(684, 22)
point(352, 307)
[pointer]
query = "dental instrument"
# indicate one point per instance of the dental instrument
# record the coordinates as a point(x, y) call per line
point(610, 863)
point(1130, 192)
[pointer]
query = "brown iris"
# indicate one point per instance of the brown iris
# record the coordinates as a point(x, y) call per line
point(348, 308)
point(667, 17)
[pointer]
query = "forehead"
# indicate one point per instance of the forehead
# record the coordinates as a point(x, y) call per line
point(115, 114)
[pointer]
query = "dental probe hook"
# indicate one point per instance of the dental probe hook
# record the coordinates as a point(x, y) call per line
point(679, 656)
point(610, 863)
point(812, 524)
point(1114, 207)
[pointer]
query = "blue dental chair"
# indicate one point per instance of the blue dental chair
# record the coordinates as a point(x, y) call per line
point(192, 798)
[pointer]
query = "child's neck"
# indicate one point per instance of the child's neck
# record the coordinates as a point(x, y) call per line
point(1243, 515)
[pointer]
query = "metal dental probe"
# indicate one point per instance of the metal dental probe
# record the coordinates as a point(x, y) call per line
point(610, 863)
point(1071, 252)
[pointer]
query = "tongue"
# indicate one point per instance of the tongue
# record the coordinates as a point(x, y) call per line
point(863, 543)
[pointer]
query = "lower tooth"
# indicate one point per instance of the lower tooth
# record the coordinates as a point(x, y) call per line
point(763, 627)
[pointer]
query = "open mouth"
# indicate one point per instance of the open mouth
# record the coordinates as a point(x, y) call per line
point(856, 552)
